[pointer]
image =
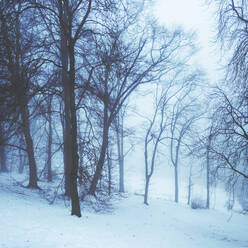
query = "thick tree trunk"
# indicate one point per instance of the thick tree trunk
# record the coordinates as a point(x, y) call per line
point(29, 146)
point(70, 125)
point(74, 159)
point(66, 97)
point(3, 166)
point(101, 160)
point(71, 148)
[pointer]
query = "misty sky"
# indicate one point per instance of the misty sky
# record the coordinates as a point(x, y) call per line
point(194, 15)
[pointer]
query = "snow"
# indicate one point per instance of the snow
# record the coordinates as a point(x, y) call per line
point(28, 221)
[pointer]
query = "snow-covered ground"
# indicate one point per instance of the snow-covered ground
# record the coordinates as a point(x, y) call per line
point(28, 221)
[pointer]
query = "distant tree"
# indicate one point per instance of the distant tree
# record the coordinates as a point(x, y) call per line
point(49, 138)
point(185, 112)
point(208, 168)
point(124, 65)
point(121, 134)
point(162, 119)
point(153, 139)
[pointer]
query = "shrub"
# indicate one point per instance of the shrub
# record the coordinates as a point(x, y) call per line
point(197, 203)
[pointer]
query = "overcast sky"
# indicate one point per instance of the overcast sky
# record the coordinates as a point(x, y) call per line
point(195, 15)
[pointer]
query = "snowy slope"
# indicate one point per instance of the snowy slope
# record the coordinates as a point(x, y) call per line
point(28, 221)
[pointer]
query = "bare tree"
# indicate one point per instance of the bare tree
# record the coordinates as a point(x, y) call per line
point(126, 64)
point(184, 115)
point(65, 22)
point(152, 138)
point(228, 143)
point(232, 33)
point(229, 135)
point(22, 67)
point(155, 133)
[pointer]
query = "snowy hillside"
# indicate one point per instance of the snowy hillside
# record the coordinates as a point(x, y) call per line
point(28, 221)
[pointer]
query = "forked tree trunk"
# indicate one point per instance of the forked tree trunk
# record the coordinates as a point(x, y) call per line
point(71, 159)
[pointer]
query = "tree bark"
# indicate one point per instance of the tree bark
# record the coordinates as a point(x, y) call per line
point(29, 145)
point(64, 52)
point(50, 139)
point(22, 161)
point(190, 185)
point(208, 175)
point(109, 171)
point(74, 153)
point(104, 146)
point(120, 148)
point(3, 165)
point(176, 183)
point(70, 126)
point(146, 189)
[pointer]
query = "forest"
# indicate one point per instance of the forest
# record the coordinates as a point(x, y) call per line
point(72, 74)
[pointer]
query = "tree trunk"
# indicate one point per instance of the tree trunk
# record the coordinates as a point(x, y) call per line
point(101, 160)
point(29, 146)
point(176, 183)
point(146, 189)
point(70, 140)
point(176, 171)
point(71, 120)
point(190, 185)
point(109, 172)
point(120, 148)
point(50, 139)
point(64, 52)
point(208, 177)
point(70, 126)
point(3, 166)
point(22, 161)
